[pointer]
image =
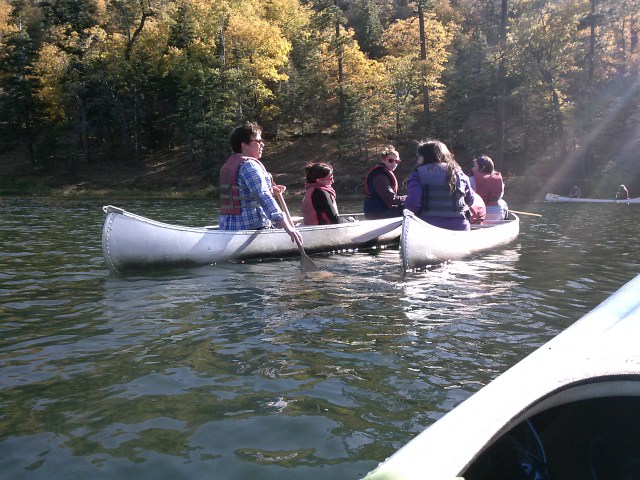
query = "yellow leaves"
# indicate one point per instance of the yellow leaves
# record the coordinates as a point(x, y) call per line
point(289, 15)
point(407, 72)
point(50, 68)
point(402, 38)
point(257, 46)
point(5, 20)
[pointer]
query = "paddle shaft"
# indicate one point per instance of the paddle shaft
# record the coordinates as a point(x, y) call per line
point(306, 264)
point(526, 213)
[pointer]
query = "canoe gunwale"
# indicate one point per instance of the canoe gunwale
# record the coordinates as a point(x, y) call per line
point(451, 244)
point(596, 358)
point(553, 198)
point(133, 242)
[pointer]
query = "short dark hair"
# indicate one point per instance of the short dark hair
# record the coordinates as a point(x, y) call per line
point(314, 171)
point(242, 134)
point(485, 164)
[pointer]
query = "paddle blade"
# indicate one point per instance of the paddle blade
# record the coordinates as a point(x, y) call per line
point(306, 264)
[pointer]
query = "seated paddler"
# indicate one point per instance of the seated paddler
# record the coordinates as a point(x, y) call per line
point(247, 190)
point(319, 205)
point(381, 199)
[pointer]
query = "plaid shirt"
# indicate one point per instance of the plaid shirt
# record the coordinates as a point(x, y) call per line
point(254, 182)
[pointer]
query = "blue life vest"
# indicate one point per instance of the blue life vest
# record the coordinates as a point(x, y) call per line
point(437, 199)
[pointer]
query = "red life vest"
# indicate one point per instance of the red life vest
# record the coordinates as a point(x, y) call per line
point(309, 212)
point(229, 188)
point(489, 187)
point(368, 193)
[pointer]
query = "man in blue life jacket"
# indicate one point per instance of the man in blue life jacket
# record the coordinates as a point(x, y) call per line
point(381, 188)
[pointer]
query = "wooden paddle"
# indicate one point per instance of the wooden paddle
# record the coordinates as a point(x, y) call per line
point(306, 264)
point(526, 213)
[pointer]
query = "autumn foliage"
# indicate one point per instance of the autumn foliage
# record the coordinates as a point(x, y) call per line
point(97, 80)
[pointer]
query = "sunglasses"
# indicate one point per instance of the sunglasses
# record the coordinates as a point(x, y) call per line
point(391, 160)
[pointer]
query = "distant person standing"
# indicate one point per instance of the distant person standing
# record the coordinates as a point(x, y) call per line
point(488, 183)
point(247, 199)
point(381, 199)
point(622, 193)
point(575, 192)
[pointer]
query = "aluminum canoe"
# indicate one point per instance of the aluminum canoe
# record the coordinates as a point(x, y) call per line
point(568, 410)
point(553, 198)
point(423, 244)
point(132, 242)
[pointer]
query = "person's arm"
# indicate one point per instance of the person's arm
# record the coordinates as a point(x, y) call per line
point(466, 188)
point(501, 187)
point(414, 193)
point(258, 182)
point(290, 229)
point(322, 204)
point(382, 184)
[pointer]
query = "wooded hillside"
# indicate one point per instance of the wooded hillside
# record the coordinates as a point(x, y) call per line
point(549, 88)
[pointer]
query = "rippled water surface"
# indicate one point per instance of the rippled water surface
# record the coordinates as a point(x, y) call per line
point(255, 370)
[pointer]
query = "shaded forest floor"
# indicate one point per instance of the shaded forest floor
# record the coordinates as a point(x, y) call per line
point(170, 173)
point(175, 173)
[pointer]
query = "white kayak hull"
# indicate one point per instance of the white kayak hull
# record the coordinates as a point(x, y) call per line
point(580, 393)
point(553, 198)
point(423, 244)
point(132, 242)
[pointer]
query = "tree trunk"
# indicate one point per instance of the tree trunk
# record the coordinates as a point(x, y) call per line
point(592, 44)
point(341, 106)
point(426, 104)
point(501, 84)
point(84, 129)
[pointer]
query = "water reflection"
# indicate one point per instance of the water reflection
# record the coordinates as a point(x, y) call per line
point(255, 369)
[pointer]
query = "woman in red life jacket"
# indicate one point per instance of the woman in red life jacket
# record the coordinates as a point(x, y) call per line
point(488, 183)
point(381, 199)
point(319, 203)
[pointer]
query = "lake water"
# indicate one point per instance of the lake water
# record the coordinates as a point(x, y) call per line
point(244, 371)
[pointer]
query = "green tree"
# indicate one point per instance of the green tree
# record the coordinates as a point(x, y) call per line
point(19, 85)
point(368, 28)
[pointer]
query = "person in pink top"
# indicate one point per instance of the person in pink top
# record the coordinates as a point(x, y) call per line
point(487, 182)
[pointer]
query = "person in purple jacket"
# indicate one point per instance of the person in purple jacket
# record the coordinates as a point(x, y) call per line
point(438, 191)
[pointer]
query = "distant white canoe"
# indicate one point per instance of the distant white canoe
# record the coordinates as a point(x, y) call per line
point(132, 242)
point(569, 408)
point(423, 244)
point(552, 197)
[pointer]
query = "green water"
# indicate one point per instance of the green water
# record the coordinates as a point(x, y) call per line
point(243, 371)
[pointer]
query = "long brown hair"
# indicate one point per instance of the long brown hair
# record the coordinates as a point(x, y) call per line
point(434, 151)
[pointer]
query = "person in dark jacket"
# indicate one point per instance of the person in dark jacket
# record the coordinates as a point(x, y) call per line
point(381, 188)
